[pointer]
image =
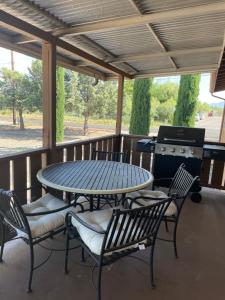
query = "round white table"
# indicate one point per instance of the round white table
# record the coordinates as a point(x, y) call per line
point(95, 177)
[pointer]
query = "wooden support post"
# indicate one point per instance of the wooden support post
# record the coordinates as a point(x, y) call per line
point(119, 105)
point(49, 98)
point(222, 129)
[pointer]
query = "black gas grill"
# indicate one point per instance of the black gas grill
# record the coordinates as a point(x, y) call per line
point(174, 146)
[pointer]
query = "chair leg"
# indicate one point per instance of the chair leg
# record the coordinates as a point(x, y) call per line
point(67, 254)
point(2, 239)
point(31, 267)
point(175, 240)
point(166, 226)
point(82, 254)
point(152, 265)
point(99, 282)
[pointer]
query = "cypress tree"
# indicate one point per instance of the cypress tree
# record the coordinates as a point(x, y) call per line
point(140, 112)
point(184, 114)
point(60, 101)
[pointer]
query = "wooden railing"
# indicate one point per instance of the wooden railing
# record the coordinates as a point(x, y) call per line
point(19, 171)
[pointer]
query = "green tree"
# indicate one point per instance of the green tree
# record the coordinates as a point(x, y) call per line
point(140, 113)
point(87, 94)
point(60, 100)
point(14, 88)
point(184, 114)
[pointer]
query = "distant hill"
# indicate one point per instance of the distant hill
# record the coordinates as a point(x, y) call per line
point(219, 104)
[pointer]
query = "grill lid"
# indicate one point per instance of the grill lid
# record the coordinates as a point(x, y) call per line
point(186, 136)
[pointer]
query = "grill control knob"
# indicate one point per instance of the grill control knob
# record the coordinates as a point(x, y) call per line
point(163, 149)
point(172, 150)
point(192, 152)
point(182, 150)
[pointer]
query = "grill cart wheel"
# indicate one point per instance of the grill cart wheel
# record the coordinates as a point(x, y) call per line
point(196, 197)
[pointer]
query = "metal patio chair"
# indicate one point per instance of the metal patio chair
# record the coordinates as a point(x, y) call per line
point(110, 200)
point(33, 223)
point(110, 234)
point(180, 186)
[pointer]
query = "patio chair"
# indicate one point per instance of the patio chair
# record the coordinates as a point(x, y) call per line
point(110, 234)
point(180, 186)
point(32, 222)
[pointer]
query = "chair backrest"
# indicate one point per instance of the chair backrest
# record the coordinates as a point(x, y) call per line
point(181, 185)
point(107, 155)
point(129, 227)
point(12, 212)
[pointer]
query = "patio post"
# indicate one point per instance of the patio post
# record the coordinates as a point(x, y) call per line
point(119, 105)
point(49, 98)
point(222, 129)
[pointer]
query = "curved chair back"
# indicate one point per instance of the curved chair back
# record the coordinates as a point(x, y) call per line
point(107, 155)
point(129, 227)
point(181, 185)
point(12, 212)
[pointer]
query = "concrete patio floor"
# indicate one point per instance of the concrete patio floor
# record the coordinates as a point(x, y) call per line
point(198, 274)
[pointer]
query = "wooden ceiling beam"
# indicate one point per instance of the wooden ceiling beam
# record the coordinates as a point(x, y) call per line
point(179, 71)
point(153, 33)
point(23, 27)
point(124, 22)
point(149, 55)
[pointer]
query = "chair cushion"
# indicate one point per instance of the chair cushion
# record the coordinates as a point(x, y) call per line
point(98, 219)
point(40, 225)
point(171, 210)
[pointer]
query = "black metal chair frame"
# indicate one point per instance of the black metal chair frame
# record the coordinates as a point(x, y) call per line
point(138, 226)
point(180, 186)
point(13, 215)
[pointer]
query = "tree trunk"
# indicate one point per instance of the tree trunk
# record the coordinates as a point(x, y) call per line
point(21, 119)
point(86, 116)
point(14, 114)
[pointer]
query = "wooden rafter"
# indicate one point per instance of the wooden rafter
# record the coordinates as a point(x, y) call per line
point(23, 27)
point(123, 22)
point(153, 33)
point(24, 40)
point(172, 72)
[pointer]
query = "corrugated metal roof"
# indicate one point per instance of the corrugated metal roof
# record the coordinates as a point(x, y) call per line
point(196, 32)
point(82, 11)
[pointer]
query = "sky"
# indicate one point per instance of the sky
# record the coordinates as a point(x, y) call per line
point(23, 62)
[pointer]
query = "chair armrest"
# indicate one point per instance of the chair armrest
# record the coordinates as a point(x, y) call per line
point(132, 200)
point(41, 213)
point(87, 225)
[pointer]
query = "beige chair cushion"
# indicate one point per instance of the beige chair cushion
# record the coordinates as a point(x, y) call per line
point(171, 210)
point(98, 219)
point(40, 225)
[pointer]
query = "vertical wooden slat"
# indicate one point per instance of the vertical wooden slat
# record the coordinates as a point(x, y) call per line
point(100, 145)
point(135, 154)
point(127, 146)
point(79, 152)
point(119, 105)
point(5, 174)
point(110, 145)
point(58, 156)
point(87, 151)
point(20, 178)
point(116, 143)
point(35, 165)
point(93, 147)
point(217, 173)
point(105, 145)
point(70, 153)
point(146, 161)
point(205, 172)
